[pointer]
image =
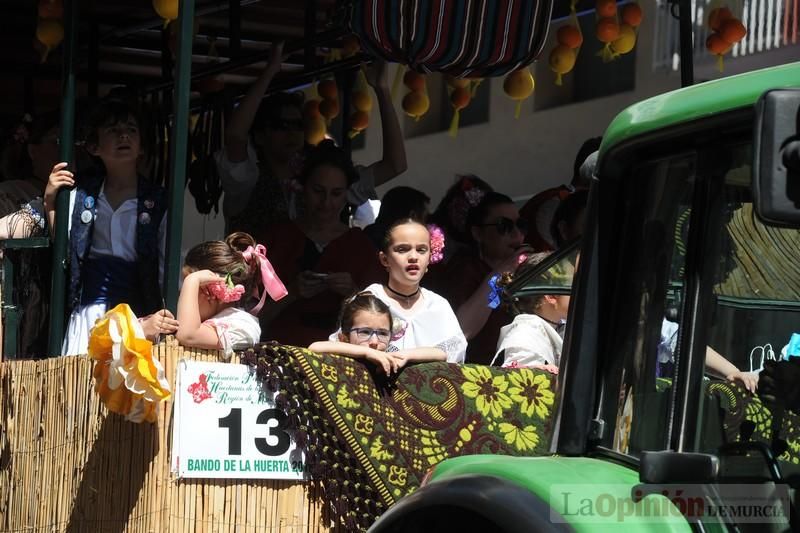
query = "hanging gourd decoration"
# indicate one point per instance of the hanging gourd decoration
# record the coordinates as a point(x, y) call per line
point(166, 9)
point(631, 17)
point(625, 42)
point(350, 45)
point(563, 56)
point(727, 30)
point(359, 120)
point(313, 122)
point(361, 101)
point(416, 102)
point(562, 60)
point(460, 97)
point(631, 14)
point(51, 9)
point(607, 27)
point(518, 86)
point(329, 106)
point(49, 32)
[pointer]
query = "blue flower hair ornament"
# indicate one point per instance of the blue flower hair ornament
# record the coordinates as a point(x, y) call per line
point(495, 292)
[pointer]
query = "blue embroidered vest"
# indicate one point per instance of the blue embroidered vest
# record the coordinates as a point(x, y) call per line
point(151, 207)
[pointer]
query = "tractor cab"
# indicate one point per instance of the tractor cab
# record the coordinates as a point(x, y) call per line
point(685, 285)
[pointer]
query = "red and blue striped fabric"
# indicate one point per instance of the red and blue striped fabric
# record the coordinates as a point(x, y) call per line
point(464, 38)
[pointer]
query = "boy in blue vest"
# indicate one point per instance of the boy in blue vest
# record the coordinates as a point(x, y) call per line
point(116, 229)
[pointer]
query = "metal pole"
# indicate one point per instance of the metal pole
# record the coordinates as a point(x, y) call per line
point(687, 45)
point(179, 140)
point(58, 287)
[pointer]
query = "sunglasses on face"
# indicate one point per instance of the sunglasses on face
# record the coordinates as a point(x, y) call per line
point(286, 124)
point(505, 225)
point(364, 334)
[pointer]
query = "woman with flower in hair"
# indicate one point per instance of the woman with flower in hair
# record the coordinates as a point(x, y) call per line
point(497, 232)
point(424, 325)
point(451, 213)
point(224, 288)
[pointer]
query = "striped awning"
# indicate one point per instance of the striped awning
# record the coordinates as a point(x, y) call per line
point(464, 38)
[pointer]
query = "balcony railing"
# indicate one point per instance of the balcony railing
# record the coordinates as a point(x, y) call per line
point(770, 24)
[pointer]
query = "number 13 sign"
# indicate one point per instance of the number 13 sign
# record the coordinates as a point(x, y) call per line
point(226, 425)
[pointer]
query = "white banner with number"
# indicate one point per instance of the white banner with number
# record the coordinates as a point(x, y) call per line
point(225, 425)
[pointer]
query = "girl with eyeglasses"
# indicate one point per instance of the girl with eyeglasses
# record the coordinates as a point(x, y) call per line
point(497, 232)
point(365, 332)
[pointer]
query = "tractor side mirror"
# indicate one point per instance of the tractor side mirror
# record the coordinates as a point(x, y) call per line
point(776, 158)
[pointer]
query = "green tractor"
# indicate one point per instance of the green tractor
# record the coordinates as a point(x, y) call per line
point(689, 253)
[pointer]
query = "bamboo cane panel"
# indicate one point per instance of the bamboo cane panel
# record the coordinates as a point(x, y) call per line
point(67, 464)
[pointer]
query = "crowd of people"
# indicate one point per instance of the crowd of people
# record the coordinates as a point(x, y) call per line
point(411, 286)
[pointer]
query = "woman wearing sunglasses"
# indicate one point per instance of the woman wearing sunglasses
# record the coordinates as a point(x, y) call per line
point(263, 144)
point(498, 232)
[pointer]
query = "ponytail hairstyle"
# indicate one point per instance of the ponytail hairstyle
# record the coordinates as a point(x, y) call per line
point(362, 301)
point(227, 258)
point(526, 304)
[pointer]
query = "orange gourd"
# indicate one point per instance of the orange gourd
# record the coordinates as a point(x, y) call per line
point(460, 97)
point(570, 36)
point(329, 108)
point(732, 31)
point(606, 8)
point(414, 80)
point(717, 45)
point(327, 89)
point(607, 30)
point(631, 15)
point(311, 108)
point(51, 9)
point(717, 16)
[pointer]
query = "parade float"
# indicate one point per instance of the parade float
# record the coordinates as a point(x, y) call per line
point(142, 437)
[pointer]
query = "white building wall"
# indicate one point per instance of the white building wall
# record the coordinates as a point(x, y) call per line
point(519, 157)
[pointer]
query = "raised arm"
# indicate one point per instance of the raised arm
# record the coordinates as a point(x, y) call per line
point(191, 330)
point(393, 162)
point(238, 127)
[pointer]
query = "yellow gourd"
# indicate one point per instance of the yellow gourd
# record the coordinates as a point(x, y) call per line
point(166, 9)
point(362, 101)
point(626, 40)
point(562, 60)
point(49, 32)
point(416, 104)
point(518, 86)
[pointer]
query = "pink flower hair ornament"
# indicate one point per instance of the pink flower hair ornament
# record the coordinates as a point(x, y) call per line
point(437, 243)
point(225, 291)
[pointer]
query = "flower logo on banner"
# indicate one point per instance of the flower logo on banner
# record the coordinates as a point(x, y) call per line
point(199, 390)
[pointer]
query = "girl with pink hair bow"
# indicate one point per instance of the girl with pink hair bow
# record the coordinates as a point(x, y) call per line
point(225, 286)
